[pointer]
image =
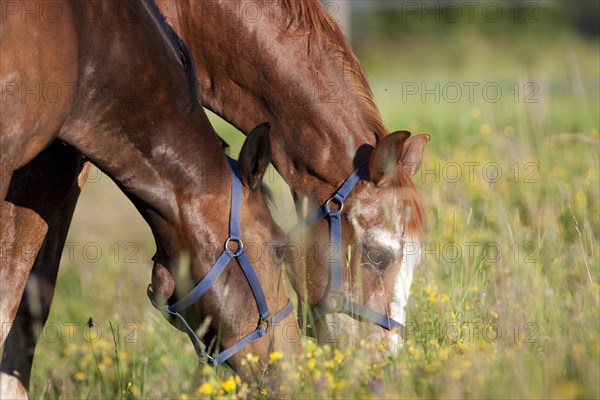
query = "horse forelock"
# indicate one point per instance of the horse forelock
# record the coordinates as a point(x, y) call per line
point(412, 198)
point(310, 17)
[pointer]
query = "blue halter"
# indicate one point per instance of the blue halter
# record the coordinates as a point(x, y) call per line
point(266, 319)
point(335, 300)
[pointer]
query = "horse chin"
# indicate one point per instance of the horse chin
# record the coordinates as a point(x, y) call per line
point(391, 340)
point(341, 330)
point(337, 330)
point(11, 387)
point(163, 284)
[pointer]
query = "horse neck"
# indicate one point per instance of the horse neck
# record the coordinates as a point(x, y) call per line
point(165, 180)
point(299, 85)
point(132, 118)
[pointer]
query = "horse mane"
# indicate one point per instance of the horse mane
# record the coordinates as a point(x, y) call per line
point(185, 58)
point(310, 17)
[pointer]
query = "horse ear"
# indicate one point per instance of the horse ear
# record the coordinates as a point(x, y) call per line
point(386, 155)
point(412, 153)
point(255, 156)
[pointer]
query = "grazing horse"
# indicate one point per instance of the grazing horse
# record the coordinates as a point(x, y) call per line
point(288, 63)
point(133, 112)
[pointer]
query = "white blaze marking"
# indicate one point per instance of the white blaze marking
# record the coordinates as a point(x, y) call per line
point(403, 281)
point(411, 257)
point(387, 240)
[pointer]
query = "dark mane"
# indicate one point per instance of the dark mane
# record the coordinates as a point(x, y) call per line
point(185, 58)
point(310, 17)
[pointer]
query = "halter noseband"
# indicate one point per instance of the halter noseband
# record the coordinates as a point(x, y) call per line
point(335, 300)
point(239, 254)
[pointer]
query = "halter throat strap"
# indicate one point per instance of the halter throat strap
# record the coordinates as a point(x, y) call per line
point(239, 254)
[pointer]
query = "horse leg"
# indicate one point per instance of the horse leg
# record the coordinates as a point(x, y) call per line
point(48, 216)
point(22, 231)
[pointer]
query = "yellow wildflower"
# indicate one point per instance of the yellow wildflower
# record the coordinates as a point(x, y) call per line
point(79, 376)
point(485, 129)
point(432, 297)
point(252, 359)
point(444, 353)
point(276, 355)
point(329, 381)
point(338, 357)
point(310, 348)
point(229, 385)
point(206, 388)
point(133, 389)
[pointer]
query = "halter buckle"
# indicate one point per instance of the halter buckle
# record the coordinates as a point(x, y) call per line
point(239, 247)
point(338, 204)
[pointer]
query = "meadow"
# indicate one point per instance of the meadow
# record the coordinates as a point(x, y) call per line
point(506, 301)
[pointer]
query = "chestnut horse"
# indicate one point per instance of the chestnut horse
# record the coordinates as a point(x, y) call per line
point(287, 62)
point(136, 117)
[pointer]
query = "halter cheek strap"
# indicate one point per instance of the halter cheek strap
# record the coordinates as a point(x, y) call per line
point(266, 320)
point(335, 300)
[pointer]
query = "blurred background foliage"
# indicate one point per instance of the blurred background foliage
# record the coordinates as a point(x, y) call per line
point(427, 36)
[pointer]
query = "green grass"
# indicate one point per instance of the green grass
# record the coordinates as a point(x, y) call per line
point(522, 322)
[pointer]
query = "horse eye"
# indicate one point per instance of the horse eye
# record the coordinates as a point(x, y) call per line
point(378, 258)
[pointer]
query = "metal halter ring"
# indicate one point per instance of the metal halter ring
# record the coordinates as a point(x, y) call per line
point(338, 203)
point(240, 246)
point(265, 323)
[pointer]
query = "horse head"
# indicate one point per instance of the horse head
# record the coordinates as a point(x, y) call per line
point(359, 250)
point(226, 290)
